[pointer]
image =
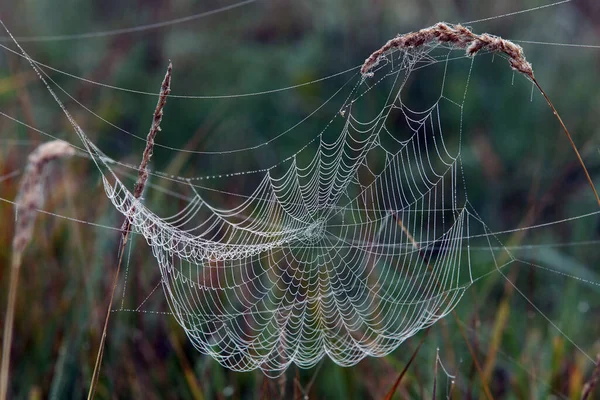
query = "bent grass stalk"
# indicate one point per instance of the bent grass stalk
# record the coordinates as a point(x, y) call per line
point(30, 199)
point(126, 228)
point(464, 38)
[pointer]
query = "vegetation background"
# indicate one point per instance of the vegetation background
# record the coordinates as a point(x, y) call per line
point(521, 172)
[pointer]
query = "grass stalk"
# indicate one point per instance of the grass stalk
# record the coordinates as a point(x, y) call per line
point(8, 325)
point(30, 199)
point(464, 38)
point(573, 145)
point(126, 228)
point(590, 385)
point(390, 394)
point(435, 372)
point(484, 384)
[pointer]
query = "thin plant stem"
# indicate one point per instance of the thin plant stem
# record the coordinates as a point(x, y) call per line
point(126, 229)
point(486, 389)
point(30, 199)
point(412, 358)
point(8, 326)
point(590, 385)
point(435, 372)
point(562, 124)
point(98, 363)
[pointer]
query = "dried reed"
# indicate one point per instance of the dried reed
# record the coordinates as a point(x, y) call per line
point(486, 389)
point(590, 385)
point(393, 389)
point(30, 199)
point(462, 37)
point(165, 90)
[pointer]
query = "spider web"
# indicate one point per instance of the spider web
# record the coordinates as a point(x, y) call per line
point(346, 248)
point(464, 206)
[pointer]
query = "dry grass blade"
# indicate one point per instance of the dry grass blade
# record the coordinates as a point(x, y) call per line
point(399, 379)
point(462, 37)
point(486, 389)
point(29, 200)
point(137, 192)
point(266, 392)
point(573, 145)
point(590, 385)
point(435, 372)
point(188, 372)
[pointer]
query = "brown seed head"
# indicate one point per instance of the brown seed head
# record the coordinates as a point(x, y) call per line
point(31, 194)
point(457, 35)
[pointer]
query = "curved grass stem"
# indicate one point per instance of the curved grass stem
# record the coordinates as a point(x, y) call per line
point(564, 128)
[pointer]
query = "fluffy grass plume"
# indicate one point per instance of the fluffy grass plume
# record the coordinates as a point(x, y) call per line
point(30, 199)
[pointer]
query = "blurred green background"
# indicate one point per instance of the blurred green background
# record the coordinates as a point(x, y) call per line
point(519, 166)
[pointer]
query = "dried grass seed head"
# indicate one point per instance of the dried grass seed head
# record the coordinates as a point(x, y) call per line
point(31, 197)
point(458, 36)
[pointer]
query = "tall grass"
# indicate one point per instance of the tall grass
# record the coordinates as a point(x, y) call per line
point(29, 201)
point(165, 89)
point(55, 339)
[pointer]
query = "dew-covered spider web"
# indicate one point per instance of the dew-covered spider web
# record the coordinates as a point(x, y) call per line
point(345, 248)
point(348, 244)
